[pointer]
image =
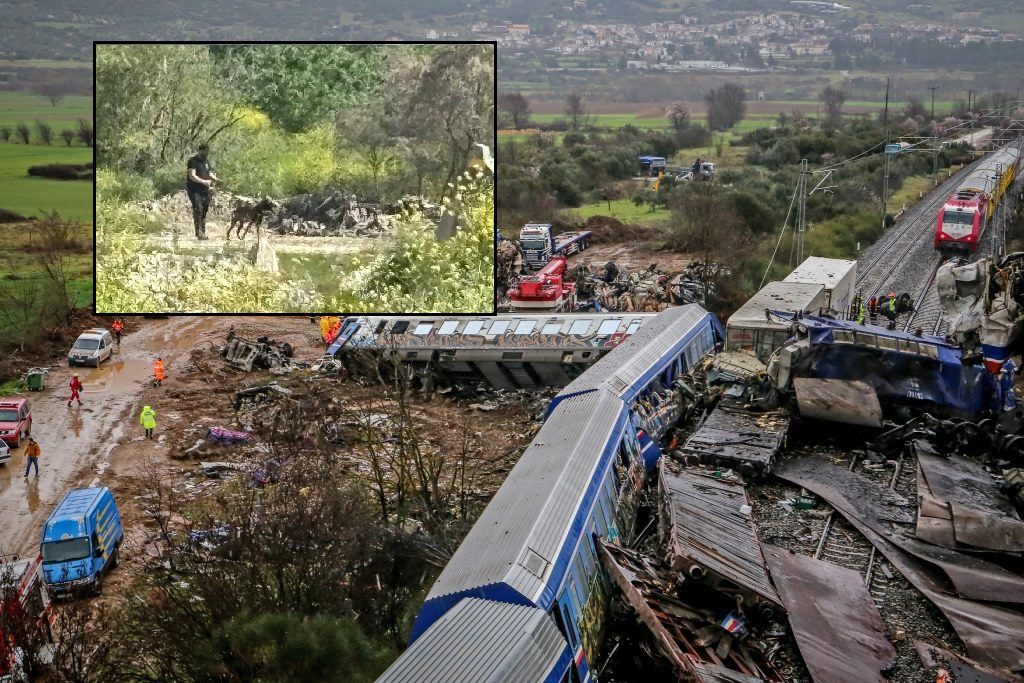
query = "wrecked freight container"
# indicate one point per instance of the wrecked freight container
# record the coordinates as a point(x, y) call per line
point(751, 329)
point(837, 276)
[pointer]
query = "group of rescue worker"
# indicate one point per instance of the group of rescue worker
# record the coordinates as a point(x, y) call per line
point(867, 311)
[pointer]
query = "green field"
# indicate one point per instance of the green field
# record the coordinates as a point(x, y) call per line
point(29, 196)
point(46, 63)
point(622, 209)
point(21, 107)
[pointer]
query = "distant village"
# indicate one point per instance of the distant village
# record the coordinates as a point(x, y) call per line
point(688, 44)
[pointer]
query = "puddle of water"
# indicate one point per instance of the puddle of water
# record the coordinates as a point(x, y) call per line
point(119, 374)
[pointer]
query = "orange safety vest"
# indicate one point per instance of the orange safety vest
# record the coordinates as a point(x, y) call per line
point(158, 370)
point(117, 326)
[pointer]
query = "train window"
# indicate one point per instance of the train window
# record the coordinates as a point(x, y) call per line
point(525, 327)
point(608, 327)
point(380, 326)
point(580, 326)
point(448, 326)
point(587, 552)
point(633, 327)
point(473, 327)
point(512, 355)
point(497, 327)
point(601, 519)
point(929, 350)
point(552, 328)
point(577, 563)
point(400, 327)
point(865, 339)
point(412, 354)
point(887, 343)
point(842, 336)
point(577, 594)
point(424, 328)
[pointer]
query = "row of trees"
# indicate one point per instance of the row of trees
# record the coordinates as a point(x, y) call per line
point(726, 106)
point(45, 133)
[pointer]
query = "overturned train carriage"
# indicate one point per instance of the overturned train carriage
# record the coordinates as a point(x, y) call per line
point(902, 369)
point(533, 546)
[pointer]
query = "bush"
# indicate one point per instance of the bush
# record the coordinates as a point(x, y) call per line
point(123, 186)
point(62, 171)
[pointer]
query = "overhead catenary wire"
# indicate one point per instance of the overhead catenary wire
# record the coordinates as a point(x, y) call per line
point(785, 223)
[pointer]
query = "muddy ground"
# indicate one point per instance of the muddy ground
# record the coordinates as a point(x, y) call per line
point(102, 442)
point(626, 245)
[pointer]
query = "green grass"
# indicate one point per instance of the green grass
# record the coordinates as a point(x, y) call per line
point(622, 209)
point(20, 107)
point(60, 24)
point(46, 63)
point(29, 196)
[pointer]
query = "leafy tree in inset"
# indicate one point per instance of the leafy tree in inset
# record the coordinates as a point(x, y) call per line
point(299, 86)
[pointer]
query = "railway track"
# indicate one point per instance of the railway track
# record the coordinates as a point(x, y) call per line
point(843, 545)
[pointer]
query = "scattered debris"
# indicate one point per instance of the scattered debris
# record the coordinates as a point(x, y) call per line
point(613, 288)
point(834, 619)
point(226, 436)
point(961, 505)
point(740, 439)
point(698, 641)
point(962, 669)
point(337, 213)
point(217, 470)
point(253, 395)
point(711, 540)
point(263, 353)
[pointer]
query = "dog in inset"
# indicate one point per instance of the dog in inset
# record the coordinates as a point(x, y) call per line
point(248, 214)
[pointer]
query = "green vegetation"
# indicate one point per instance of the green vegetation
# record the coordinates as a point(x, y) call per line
point(31, 196)
point(17, 107)
point(393, 121)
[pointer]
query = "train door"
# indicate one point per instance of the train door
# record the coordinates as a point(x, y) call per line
point(562, 612)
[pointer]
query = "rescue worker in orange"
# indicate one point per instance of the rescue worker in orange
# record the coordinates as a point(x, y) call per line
point(32, 453)
point(118, 327)
point(76, 386)
point(158, 371)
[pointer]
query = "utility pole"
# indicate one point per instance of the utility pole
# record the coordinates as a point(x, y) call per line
point(885, 153)
point(933, 88)
point(801, 213)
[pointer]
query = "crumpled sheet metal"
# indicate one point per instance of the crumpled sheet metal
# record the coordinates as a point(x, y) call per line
point(837, 400)
point(963, 670)
point(993, 636)
point(980, 515)
point(849, 649)
point(705, 526)
point(858, 497)
point(647, 591)
point(740, 439)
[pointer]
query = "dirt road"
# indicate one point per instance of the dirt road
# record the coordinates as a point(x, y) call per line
point(77, 442)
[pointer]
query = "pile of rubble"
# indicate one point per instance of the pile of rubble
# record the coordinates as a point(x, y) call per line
point(263, 353)
point(337, 213)
point(613, 288)
point(327, 214)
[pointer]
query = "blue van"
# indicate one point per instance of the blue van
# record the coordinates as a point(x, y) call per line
point(80, 540)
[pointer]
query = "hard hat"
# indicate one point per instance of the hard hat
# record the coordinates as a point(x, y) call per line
point(892, 293)
point(75, 375)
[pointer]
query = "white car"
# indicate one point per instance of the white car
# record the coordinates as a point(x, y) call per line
point(5, 453)
point(91, 348)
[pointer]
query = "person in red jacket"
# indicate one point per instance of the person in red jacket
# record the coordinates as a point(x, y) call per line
point(76, 386)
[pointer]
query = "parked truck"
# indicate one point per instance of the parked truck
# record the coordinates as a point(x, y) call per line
point(539, 244)
point(25, 624)
point(81, 540)
point(544, 291)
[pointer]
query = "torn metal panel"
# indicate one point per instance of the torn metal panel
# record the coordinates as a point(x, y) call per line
point(859, 498)
point(711, 536)
point(992, 635)
point(963, 669)
point(673, 624)
point(836, 400)
point(740, 439)
point(978, 512)
point(852, 649)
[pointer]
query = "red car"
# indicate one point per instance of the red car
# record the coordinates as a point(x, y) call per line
point(15, 420)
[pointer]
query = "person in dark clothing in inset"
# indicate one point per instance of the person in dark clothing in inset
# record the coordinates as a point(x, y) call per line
point(200, 178)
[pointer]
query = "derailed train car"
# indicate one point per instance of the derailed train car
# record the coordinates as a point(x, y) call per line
point(530, 560)
point(902, 369)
